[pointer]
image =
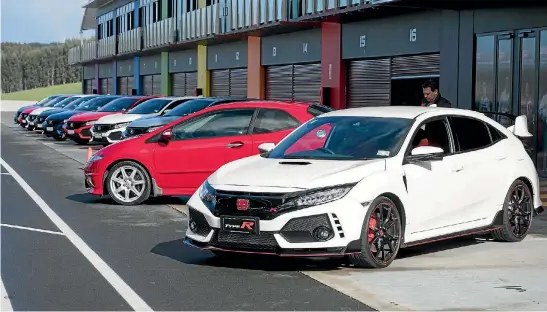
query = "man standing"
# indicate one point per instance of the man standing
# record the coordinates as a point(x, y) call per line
point(432, 96)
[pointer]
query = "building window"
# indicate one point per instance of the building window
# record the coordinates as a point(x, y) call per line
point(485, 73)
point(504, 100)
point(170, 8)
point(542, 109)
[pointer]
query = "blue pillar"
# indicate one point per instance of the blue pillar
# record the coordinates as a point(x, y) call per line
point(137, 59)
point(114, 62)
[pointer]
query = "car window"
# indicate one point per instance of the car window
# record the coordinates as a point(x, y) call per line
point(118, 105)
point(55, 101)
point(344, 138)
point(495, 134)
point(94, 104)
point(65, 102)
point(189, 107)
point(150, 106)
point(432, 133)
point(469, 134)
point(272, 120)
point(217, 124)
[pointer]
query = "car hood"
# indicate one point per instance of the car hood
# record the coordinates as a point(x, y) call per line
point(153, 121)
point(23, 108)
point(51, 112)
point(30, 109)
point(121, 118)
point(41, 109)
point(302, 174)
point(91, 116)
point(65, 115)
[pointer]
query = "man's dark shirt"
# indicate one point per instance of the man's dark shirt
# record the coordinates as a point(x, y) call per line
point(439, 100)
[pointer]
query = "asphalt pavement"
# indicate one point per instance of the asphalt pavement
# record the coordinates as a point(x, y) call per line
point(63, 249)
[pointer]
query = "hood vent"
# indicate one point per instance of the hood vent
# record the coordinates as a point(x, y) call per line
point(300, 163)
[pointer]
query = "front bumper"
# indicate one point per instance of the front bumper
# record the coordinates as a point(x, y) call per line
point(538, 210)
point(81, 133)
point(93, 178)
point(112, 135)
point(54, 129)
point(288, 234)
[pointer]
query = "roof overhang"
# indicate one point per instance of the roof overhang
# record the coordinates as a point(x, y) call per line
point(89, 19)
point(95, 4)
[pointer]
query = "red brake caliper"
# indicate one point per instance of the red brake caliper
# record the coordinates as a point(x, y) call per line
point(371, 227)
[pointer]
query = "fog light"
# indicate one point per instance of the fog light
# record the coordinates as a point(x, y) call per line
point(322, 233)
point(193, 225)
point(89, 181)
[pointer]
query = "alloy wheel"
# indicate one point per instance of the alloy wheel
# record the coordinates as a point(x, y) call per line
point(127, 183)
point(520, 210)
point(384, 232)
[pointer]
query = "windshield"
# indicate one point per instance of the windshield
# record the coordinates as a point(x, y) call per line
point(55, 101)
point(45, 100)
point(189, 107)
point(65, 102)
point(344, 138)
point(78, 101)
point(95, 103)
point(118, 105)
point(150, 107)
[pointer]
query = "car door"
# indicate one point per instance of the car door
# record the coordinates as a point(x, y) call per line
point(201, 145)
point(271, 126)
point(430, 191)
point(481, 170)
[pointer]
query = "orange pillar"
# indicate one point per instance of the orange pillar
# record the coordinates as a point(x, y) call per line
point(255, 70)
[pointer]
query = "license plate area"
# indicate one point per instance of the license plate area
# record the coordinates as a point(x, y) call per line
point(70, 131)
point(97, 135)
point(49, 129)
point(237, 224)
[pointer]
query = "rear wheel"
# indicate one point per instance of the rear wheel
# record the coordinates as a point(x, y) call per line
point(59, 138)
point(128, 183)
point(517, 214)
point(381, 235)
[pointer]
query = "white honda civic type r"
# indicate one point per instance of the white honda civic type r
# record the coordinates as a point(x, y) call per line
point(365, 182)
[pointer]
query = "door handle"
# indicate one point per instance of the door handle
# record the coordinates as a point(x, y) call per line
point(234, 144)
point(457, 168)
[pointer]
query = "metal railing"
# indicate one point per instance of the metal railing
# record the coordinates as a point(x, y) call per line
point(89, 51)
point(311, 7)
point(199, 23)
point(159, 33)
point(75, 55)
point(107, 47)
point(130, 41)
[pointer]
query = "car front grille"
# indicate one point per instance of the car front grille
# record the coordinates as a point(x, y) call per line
point(264, 241)
point(102, 128)
point(74, 125)
point(24, 116)
point(32, 117)
point(41, 119)
point(262, 205)
point(135, 131)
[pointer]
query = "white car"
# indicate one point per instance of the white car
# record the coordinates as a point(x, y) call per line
point(109, 129)
point(365, 182)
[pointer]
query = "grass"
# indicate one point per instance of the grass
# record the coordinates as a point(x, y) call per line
point(40, 93)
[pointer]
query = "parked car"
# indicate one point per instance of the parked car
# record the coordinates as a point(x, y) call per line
point(57, 108)
point(88, 106)
point(79, 126)
point(375, 180)
point(54, 128)
point(109, 129)
point(39, 104)
point(23, 118)
point(149, 124)
point(177, 158)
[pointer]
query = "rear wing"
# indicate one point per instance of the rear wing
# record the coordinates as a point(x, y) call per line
point(518, 125)
point(318, 109)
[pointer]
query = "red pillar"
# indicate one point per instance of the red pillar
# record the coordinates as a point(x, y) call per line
point(333, 72)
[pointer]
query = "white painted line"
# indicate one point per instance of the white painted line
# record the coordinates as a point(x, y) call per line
point(31, 229)
point(4, 173)
point(6, 303)
point(128, 294)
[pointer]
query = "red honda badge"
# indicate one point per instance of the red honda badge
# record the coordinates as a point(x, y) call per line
point(242, 204)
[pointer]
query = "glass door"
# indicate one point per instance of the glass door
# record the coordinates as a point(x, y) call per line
point(542, 107)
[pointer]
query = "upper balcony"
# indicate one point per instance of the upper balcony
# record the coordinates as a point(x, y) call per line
point(106, 47)
point(159, 34)
point(130, 41)
point(75, 55)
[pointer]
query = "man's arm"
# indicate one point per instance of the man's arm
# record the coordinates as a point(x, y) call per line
point(444, 103)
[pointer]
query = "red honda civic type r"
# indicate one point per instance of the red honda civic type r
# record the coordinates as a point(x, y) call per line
point(175, 160)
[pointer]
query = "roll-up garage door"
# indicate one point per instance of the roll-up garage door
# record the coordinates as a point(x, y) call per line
point(307, 82)
point(88, 86)
point(300, 82)
point(130, 85)
point(229, 82)
point(123, 86)
point(151, 85)
point(416, 65)
point(106, 85)
point(369, 83)
point(183, 84)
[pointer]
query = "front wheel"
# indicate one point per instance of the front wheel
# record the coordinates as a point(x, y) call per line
point(381, 235)
point(128, 183)
point(81, 141)
point(517, 214)
point(59, 138)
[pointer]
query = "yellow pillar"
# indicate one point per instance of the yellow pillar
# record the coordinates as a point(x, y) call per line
point(204, 80)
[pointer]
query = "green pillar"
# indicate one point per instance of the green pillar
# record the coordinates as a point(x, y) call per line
point(165, 77)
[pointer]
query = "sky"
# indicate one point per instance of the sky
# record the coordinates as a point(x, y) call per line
point(41, 21)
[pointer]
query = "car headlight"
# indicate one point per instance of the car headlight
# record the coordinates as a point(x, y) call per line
point(89, 123)
point(153, 128)
point(64, 121)
point(95, 158)
point(121, 125)
point(208, 195)
point(316, 197)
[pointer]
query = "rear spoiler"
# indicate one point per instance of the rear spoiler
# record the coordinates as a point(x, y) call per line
point(520, 123)
point(318, 109)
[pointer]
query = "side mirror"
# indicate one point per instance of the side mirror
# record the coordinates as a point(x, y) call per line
point(166, 111)
point(425, 153)
point(166, 136)
point(520, 128)
point(124, 109)
point(266, 147)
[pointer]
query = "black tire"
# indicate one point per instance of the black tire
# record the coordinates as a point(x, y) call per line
point(59, 138)
point(147, 187)
point(366, 258)
point(81, 142)
point(507, 232)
